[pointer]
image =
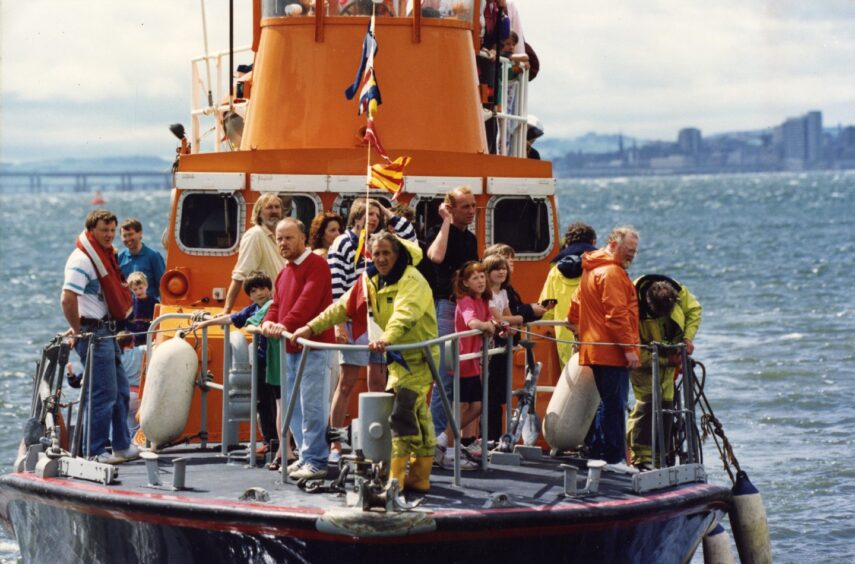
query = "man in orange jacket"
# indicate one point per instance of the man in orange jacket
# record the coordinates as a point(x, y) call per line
point(604, 309)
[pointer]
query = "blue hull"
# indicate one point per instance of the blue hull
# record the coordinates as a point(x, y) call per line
point(67, 521)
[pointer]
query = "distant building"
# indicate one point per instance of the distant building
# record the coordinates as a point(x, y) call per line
point(813, 143)
point(689, 141)
point(802, 140)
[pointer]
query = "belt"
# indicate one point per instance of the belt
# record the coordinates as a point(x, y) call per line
point(92, 323)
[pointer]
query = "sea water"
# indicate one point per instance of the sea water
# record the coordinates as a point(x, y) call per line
point(770, 257)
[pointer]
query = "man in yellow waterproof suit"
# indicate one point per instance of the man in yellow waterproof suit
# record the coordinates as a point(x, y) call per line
point(401, 301)
point(669, 314)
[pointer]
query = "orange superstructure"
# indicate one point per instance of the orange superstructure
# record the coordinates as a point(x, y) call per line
point(303, 139)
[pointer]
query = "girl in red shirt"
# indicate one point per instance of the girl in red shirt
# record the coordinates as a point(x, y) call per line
point(472, 312)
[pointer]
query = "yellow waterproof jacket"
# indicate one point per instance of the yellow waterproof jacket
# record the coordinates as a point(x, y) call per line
point(683, 323)
point(561, 288)
point(404, 310)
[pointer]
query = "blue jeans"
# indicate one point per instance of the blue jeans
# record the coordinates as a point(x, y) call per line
point(445, 323)
point(609, 440)
point(311, 410)
point(110, 395)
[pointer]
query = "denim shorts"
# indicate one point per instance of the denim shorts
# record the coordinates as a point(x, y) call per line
point(360, 358)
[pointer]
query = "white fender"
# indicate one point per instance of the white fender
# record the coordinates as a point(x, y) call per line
point(168, 391)
point(717, 546)
point(748, 521)
point(572, 406)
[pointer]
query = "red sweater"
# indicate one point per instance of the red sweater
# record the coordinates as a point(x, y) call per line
point(302, 292)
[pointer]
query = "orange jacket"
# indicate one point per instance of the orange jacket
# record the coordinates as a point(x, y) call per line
point(605, 309)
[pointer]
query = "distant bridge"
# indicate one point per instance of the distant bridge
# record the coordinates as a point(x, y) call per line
point(35, 182)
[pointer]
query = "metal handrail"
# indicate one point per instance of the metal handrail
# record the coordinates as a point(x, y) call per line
point(454, 338)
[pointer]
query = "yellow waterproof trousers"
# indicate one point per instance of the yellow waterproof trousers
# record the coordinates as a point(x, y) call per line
point(639, 424)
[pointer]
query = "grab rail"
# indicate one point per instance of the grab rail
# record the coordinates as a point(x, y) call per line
point(453, 415)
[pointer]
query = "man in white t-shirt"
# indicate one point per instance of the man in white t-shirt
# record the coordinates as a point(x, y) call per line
point(85, 308)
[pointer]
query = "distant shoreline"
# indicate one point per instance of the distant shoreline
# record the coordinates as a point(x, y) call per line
point(71, 183)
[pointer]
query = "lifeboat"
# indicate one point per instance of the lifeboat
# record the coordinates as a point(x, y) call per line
point(287, 128)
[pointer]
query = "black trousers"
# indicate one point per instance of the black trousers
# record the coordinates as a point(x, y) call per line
point(266, 405)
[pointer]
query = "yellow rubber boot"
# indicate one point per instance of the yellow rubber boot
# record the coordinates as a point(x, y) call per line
point(420, 474)
point(398, 470)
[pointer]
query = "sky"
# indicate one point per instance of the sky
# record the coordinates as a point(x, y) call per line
point(93, 78)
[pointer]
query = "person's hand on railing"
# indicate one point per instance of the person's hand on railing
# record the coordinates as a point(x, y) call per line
point(303, 332)
point(341, 334)
point(632, 360)
point(272, 330)
point(378, 346)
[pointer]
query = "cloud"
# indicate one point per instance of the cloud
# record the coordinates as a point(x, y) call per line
point(651, 68)
point(105, 77)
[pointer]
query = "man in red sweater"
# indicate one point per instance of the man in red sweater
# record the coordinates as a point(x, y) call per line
point(604, 309)
point(303, 290)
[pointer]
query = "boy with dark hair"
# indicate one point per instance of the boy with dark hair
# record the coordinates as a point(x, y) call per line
point(259, 287)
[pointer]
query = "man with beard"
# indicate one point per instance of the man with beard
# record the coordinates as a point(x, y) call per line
point(604, 309)
point(258, 249)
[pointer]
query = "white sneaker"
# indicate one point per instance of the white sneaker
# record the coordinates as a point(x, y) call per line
point(118, 456)
point(473, 450)
point(466, 465)
point(293, 467)
point(438, 455)
point(130, 453)
point(621, 468)
point(308, 472)
point(104, 458)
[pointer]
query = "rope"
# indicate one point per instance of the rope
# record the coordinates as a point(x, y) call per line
point(711, 426)
point(569, 342)
point(109, 337)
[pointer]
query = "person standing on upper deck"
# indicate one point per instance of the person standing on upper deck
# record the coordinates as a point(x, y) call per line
point(137, 257)
point(604, 309)
point(451, 245)
point(303, 290)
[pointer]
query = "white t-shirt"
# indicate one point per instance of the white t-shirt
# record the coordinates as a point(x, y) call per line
point(81, 278)
point(500, 300)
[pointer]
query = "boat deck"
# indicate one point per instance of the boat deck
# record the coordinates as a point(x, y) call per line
point(533, 484)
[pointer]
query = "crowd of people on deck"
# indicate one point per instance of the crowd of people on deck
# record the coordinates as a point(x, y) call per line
point(320, 283)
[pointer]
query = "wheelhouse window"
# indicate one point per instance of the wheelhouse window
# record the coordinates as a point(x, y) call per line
point(209, 222)
point(303, 206)
point(427, 215)
point(524, 223)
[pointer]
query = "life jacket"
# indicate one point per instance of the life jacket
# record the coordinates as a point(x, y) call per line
point(116, 292)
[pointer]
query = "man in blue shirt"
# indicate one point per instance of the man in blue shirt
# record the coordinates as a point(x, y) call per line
point(139, 258)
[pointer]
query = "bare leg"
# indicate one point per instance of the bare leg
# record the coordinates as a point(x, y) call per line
point(376, 377)
point(469, 413)
point(341, 397)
